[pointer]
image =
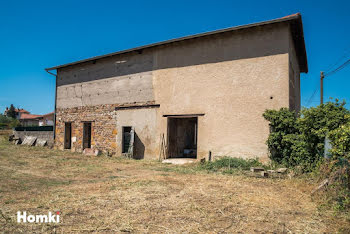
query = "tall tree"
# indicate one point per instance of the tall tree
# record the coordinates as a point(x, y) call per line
point(11, 112)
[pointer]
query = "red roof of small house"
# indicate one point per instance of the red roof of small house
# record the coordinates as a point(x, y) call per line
point(29, 116)
point(48, 114)
point(22, 111)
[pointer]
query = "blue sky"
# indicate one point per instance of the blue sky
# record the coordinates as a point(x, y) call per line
point(38, 34)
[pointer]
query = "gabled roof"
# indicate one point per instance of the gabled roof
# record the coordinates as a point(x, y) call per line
point(48, 114)
point(29, 116)
point(22, 111)
point(294, 20)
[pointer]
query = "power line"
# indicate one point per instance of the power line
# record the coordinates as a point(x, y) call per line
point(312, 97)
point(347, 53)
point(341, 67)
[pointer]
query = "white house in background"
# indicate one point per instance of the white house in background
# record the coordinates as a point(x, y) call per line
point(47, 119)
point(28, 119)
point(19, 112)
point(37, 120)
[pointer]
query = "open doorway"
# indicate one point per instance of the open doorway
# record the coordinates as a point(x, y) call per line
point(126, 139)
point(67, 135)
point(182, 137)
point(87, 135)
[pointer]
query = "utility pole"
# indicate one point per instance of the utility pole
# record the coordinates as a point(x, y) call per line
point(321, 88)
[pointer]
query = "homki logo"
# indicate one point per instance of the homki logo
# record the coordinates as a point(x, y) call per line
point(49, 218)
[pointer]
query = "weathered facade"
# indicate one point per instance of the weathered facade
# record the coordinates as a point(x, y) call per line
point(192, 96)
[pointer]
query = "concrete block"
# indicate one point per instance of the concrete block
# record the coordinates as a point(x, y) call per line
point(256, 169)
point(179, 161)
point(41, 142)
point(264, 174)
point(89, 151)
point(282, 170)
point(29, 140)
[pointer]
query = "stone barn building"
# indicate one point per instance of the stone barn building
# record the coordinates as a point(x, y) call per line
point(194, 96)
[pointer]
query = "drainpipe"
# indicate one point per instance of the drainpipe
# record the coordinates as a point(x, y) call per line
point(54, 115)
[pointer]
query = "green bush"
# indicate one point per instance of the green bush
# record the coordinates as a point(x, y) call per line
point(282, 123)
point(8, 122)
point(298, 140)
point(316, 123)
point(229, 163)
point(340, 138)
point(14, 123)
point(4, 119)
point(3, 126)
point(297, 149)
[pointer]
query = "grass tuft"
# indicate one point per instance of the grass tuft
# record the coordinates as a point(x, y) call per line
point(229, 164)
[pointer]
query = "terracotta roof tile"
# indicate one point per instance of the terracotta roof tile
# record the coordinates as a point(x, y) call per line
point(22, 111)
point(51, 113)
point(29, 116)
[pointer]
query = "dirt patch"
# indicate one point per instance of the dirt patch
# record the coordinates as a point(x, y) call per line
point(101, 194)
point(5, 132)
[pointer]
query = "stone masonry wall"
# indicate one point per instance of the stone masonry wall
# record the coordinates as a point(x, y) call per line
point(103, 120)
point(103, 130)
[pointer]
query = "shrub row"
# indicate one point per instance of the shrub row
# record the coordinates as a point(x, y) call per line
point(298, 139)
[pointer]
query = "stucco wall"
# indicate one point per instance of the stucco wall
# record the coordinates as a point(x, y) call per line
point(29, 122)
point(144, 122)
point(113, 80)
point(232, 95)
point(251, 75)
point(231, 78)
point(294, 77)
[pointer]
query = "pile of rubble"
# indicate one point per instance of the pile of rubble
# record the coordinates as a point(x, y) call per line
point(268, 173)
point(28, 140)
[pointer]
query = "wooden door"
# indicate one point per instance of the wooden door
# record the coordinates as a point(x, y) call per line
point(68, 135)
point(87, 135)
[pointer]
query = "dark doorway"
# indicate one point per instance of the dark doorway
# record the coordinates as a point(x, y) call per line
point(67, 135)
point(126, 139)
point(182, 137)
point(87, 135)
point(132, 145)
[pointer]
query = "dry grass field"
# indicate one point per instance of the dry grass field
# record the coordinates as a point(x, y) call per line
point(111, 195)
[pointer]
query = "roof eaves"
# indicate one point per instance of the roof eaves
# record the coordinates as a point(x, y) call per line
point(283, 19)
